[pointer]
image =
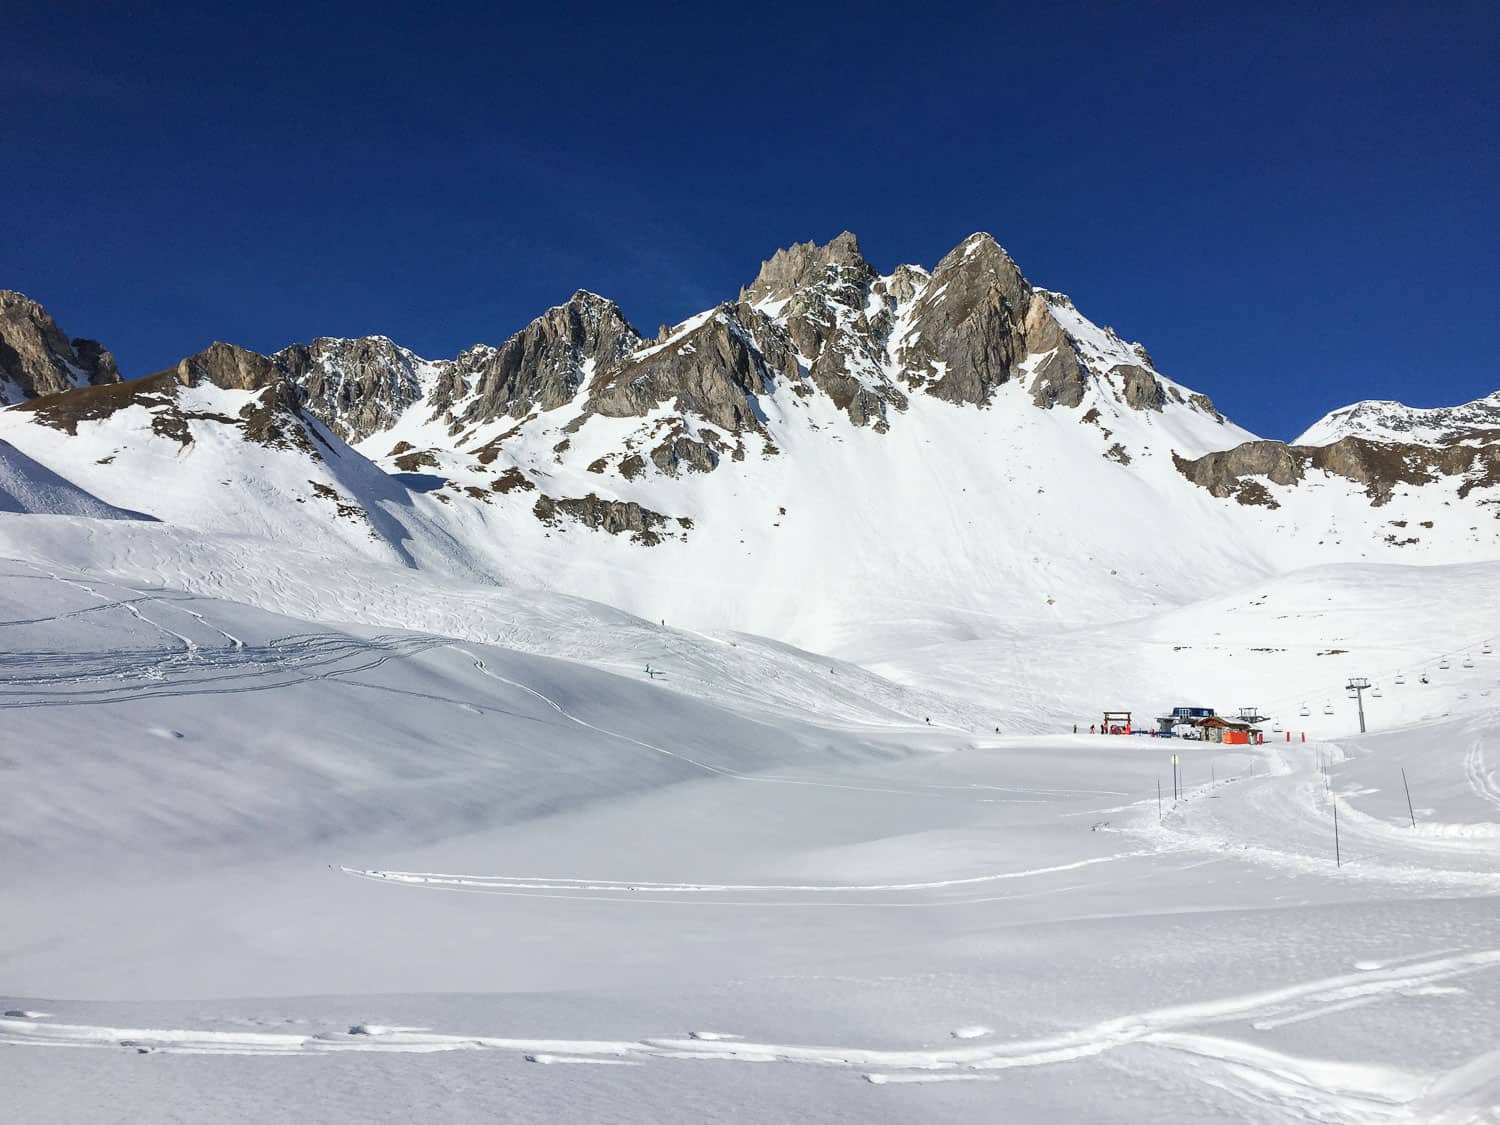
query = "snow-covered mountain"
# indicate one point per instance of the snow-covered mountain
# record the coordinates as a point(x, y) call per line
point(1383, 420)
point(830, 456)
point(590, 702)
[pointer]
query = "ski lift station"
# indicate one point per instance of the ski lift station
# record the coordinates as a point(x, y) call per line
point(1204, 724)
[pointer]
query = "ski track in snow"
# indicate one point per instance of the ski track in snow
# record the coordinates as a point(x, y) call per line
point(594, 888)
point(1326, 1090)
point(1480, 778)
point(772, 779)
point(1283, 819)
point(1279, 822)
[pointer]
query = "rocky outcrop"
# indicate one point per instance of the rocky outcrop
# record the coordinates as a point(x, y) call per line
point(612, 516)
point(271, 417)
point(97, 361)
point(803, 265)
point(355, 387)
point(966, 330)
point(1378, 466)
point(1142, 390)
point(229, 367)
point(1205, 405)
point(682, 453)
point(1059, 377)
point(1222, 472)
point(544, 365)
point(37, 359)
point(713, 371)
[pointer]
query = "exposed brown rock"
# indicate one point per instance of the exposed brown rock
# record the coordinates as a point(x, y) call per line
point(968, 324)
point(543, 365)
point(804, 264)
point(37, 359)
point(416, 460)
point(612, 516)
point(714, 372)
point(355, 387)
point(682, 451)
point(1142, 390)
point(512, 480)
point(1379, 466)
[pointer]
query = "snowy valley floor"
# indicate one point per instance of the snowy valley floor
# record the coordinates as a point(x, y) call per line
point(260, 868)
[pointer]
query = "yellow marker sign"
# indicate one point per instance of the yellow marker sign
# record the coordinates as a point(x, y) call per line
point(1174, 759)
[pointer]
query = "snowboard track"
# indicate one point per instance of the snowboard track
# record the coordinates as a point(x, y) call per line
point(1330, 1091)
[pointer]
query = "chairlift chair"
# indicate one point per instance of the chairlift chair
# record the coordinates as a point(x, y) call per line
point(1376, 692)
point(1304, 712)
point(1486, 650)
point(1468, 661)
point(1328, 708)
point(1400, 677)
point(1443, 664)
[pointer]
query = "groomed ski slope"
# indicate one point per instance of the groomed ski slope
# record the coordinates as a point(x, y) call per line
point(443, 859)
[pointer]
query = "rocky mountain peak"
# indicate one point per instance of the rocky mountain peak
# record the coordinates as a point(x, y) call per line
point(229, 367)
point(545, 364)
point(37, 359)
point(357, 386)
point(803, 264)
point(967, 329)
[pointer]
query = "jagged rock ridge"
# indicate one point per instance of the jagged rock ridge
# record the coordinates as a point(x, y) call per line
point(818, 324)
point(37, 359)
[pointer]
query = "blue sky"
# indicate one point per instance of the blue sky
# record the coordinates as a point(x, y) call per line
point(1292, 206)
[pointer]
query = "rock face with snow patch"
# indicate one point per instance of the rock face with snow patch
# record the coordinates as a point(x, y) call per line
point(713, 372)
point(967, 333)
point(1378, 466)
point(358, 387)
point(37, 359)
point(577, 419)
point(544, 365)
point(612, 516)
point(817, 320)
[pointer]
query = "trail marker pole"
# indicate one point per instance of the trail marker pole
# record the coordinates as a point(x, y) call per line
point(1407, 787)
point(1338, 858)
point(1158, 798)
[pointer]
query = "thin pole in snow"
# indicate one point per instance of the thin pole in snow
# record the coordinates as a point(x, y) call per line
point(1212, 778)
point(1407, 787)
point(1338, 858)
point(1158, 798)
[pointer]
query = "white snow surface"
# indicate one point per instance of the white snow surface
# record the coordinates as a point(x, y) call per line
point(289, 833)
point(29, 487)
point(335, 792)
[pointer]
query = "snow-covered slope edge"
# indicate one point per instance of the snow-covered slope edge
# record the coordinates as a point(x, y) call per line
point(1383, 420)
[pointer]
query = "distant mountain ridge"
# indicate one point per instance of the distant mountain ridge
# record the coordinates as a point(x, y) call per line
point(1383, 420)
point(833, 435)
